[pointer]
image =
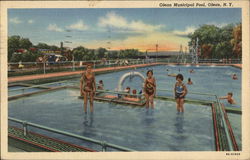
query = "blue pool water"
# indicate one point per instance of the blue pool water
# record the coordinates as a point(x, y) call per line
point(21, 90)
point(214, 80)
point(132, 127)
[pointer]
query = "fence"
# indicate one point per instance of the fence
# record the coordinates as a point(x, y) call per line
point(24, 68)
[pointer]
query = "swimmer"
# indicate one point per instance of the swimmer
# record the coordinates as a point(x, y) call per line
point(189, 81)
point(229, 98)
point(234, 77)
point(191, 71)
point(150, 89)
point(180, 91)
point(100, 85)
point(88, 87)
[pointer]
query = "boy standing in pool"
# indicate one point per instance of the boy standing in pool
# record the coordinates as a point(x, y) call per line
point(88, 88)
point(180, 91)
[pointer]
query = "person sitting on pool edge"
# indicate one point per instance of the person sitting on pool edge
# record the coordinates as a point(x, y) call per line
point(180, 91)
point(127, 90)
point(134, 93)
point(229, 98)
point(189, 81)
point(133, 97)
point(100, 85)
point(150, 89)
point(88, 87)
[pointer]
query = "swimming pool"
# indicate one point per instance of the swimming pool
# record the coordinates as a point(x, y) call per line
point(133, 127)
point(144, 130)
point(207, 79)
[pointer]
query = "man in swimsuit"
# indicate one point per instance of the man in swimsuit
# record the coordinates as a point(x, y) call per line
point(180, 91)
point(150, 89)
point(88, 88)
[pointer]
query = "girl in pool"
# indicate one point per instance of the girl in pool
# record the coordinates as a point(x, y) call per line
point(88, 87)
point(150, 89)
point(180, 91)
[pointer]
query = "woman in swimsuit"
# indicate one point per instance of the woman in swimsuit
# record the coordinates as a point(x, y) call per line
point(88, 87)
point(150, 89)
point(180, 91)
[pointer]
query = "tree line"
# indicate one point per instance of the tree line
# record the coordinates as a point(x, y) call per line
point(218, 42)
point(22, 49)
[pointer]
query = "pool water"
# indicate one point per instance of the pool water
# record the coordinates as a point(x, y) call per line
point(235, 121)
point(22, 90)
point(207, 79)
point(161, 129)
point(134, 127)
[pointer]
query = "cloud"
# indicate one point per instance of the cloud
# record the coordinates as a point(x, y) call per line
point(30, 21)
point(217, 24)
point(114, 20)
point(78, 26)
point(15, 20)
point(54, 27)
point(184, 33)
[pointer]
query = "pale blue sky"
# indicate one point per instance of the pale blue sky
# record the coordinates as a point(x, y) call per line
point(95, 27)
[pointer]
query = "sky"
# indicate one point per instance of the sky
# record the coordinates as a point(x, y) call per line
point(115, 29)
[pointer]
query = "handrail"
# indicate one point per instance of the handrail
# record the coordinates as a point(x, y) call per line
point(198, 93)
point(102, 143)
point(118, 92)
point(34, 86)
point(229, 140)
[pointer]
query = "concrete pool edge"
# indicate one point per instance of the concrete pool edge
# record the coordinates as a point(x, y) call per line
point(105, 70)
point(77, 73)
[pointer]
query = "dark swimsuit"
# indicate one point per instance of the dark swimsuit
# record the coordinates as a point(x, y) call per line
point(149, 87)
point(179, 91)
point(88, 87)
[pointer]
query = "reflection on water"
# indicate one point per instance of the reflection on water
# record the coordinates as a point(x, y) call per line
point(88, 122)
point(179, 120)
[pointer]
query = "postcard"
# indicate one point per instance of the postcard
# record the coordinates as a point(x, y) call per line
point(125, 79)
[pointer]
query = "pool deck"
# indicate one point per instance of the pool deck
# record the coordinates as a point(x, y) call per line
point(61, 74)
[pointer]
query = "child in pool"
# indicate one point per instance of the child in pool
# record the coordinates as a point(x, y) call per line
point(229, 98)
point(180, 91)
point(189, 81)
point(234, 77)
point(100, 85)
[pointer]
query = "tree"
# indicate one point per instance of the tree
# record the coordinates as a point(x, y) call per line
point(25, 43)
point(13, 45)
point(218, 42)
point(236, 40)
point(101, 52)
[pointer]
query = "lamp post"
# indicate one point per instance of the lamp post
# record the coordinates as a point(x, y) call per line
point(156, 47)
